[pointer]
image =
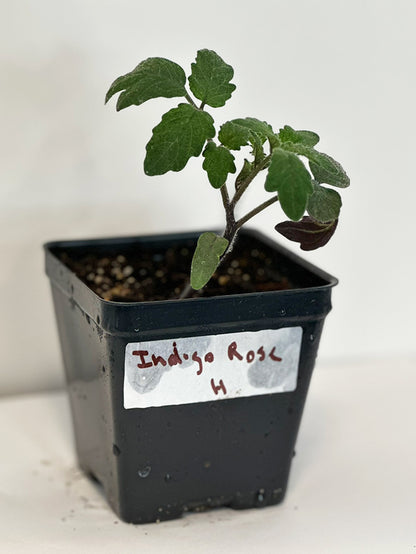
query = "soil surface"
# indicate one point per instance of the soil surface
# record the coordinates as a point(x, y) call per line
point(145, 275)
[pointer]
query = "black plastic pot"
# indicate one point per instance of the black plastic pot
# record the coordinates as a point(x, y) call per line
point(220, 445)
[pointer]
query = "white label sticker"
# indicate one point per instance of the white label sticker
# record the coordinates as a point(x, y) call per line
point(212, 367)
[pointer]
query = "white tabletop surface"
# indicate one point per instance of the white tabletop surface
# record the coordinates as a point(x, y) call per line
point(352, 487)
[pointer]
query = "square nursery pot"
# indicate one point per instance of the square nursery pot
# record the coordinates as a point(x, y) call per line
point(187, 404)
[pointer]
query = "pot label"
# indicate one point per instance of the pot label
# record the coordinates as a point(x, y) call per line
point(212, 367)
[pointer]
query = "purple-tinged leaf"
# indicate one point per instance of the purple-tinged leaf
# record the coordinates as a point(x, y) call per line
point(309, 233)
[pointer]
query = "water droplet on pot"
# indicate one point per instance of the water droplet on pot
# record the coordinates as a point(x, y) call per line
point(311, 338)
point(144, 472)
point(116, 450)
point(282, 311)
point(168, 477)
point(260, 495)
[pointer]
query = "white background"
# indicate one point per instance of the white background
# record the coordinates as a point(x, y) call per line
point(71, 167)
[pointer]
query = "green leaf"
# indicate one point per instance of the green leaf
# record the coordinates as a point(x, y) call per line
point(180, 135)
point(209, 249)
point(218, 163)
point(210, 79)
point(308, 138)
point(289, 177)
point(240, 132)
point(234, 136)
point(324, 204)
point(152, 78)
point(262, 129)
point(244, 173)
point(324, 168)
